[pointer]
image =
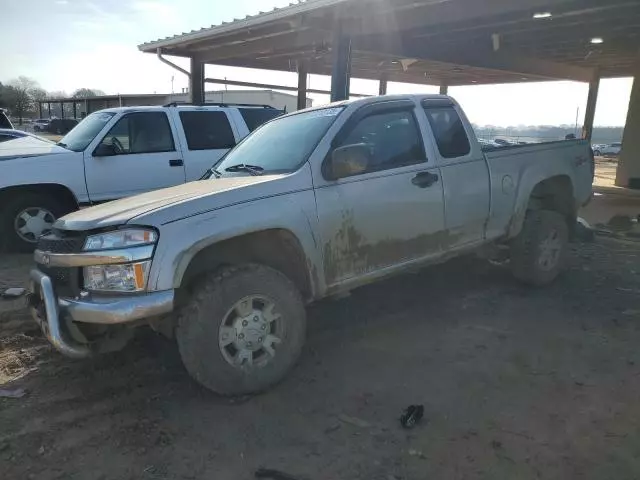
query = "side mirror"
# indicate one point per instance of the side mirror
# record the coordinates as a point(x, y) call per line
point(104, 150)
point(349, 160)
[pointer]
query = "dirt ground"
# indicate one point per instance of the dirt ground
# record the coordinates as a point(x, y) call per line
point(517, 383)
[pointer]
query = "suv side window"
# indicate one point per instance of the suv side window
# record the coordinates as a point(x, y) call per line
point(392, 138)
point(141, 132)
point(254, 117)
point(207, 130)
point(449, 132)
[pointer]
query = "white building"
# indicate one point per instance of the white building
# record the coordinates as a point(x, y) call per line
point(279, 100)
point(80, 107)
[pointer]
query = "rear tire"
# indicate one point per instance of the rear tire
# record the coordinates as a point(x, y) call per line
point(23, 205)
point(539, 252)
point(225, 341)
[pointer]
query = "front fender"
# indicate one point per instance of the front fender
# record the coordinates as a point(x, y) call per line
point(182, 240)
point(65, 169)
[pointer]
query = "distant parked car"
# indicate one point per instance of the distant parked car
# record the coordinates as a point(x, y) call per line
point(62, 126)
point(504, 143)
point(611, 149)
point(487, 143)
point(4, 119)
point(41, 124)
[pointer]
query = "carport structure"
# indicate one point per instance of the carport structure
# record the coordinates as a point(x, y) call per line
point(434, 42)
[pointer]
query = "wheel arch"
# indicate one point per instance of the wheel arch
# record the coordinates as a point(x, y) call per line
point(56, 190)
point(555, 193)
point(277, 248)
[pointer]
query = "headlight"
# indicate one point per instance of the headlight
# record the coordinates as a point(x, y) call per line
point(120, 239)
point(130, 277)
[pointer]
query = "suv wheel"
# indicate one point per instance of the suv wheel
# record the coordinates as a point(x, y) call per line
point(539, 252)
point(242, 330)
point(27, 216)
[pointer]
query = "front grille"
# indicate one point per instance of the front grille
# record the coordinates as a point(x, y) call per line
point(60, 276)
point(66, 281)
point(61, 241)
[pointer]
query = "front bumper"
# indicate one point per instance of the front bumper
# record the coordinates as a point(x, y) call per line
point(51, 312)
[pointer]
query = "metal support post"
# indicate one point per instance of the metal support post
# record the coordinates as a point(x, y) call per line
point(196, 82)
point(592, 99)
point(341, 72)
point(302, 85)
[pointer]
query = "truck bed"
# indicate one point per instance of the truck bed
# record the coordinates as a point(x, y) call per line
point(570, 160)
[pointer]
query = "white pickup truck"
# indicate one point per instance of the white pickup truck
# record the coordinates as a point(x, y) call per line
point(310, 205)
point(111, 154)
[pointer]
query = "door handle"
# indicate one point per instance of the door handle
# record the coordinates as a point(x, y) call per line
point(425, 179)
point(176, 163)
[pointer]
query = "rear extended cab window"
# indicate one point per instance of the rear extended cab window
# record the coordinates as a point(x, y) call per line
point(448, 130)
point(207, 130)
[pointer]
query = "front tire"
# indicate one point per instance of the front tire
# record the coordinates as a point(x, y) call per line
point(243, 329)
point(597, 153)
point(539, 252)
point(26, 216)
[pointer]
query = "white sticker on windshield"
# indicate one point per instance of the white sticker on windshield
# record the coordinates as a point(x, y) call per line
point(326, 112)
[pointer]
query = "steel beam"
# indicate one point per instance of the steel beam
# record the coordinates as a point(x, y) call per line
point(592, 100)
point(628, 171)
point(382, 87)
point(341, 71)
point(302, 85)
point(478, 57)
point(269, 86)
point(196, 82)
point(254, 47)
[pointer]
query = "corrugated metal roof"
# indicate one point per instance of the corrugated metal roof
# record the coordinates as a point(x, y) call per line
point(239, 24)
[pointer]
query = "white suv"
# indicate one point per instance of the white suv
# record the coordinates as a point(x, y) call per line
point(111, 154)
point(611, 149)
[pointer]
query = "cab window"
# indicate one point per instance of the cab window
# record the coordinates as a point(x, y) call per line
point(140, 132)
point(388, 139)
point(448, 130)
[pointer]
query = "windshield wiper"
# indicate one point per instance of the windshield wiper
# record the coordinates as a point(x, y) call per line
point(63, 145)
point(209, 173)
point(242, 167)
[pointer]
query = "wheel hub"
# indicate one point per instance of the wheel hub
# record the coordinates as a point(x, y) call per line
point(550, 248)
point(33, 222)
point(250, 332)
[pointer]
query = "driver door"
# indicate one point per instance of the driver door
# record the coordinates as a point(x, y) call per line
point(137, 155)
point(389, 209)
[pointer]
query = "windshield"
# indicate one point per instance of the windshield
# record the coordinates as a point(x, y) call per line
point(82, 135)
point(281, 145)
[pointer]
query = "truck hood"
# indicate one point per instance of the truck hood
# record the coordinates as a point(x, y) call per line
point(28, 147)
point(184, 200)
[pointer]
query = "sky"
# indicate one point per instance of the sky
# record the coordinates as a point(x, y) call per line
point(70, 44)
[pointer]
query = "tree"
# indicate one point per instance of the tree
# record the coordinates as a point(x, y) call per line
point(4, 94)
point(57, 94)
point(21, 96)
point(38, 95)
point(87, 92)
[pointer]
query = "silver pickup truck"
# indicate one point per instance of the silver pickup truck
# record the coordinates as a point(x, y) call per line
point(310, 205)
